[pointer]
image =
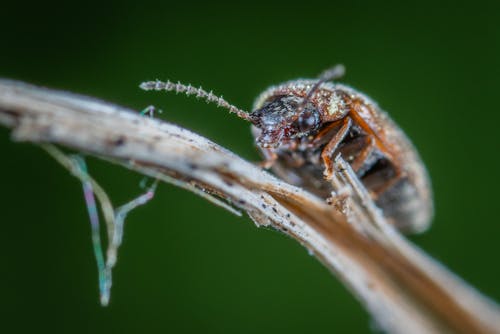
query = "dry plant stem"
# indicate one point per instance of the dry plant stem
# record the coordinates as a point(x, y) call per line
point(404, 289)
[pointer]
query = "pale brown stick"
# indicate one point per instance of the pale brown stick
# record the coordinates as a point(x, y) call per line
point(404, 289)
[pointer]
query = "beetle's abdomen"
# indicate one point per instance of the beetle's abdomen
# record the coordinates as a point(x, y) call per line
point(391, 190)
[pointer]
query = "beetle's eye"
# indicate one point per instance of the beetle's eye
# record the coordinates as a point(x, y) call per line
point(309, 120)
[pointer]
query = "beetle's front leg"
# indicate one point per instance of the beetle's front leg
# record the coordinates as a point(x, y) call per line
point(270, 158)
point(270, 155)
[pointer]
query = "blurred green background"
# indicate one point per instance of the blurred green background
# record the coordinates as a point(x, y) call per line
point(187, 266)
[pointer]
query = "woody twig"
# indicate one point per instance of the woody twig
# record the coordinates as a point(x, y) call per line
point(404, 289)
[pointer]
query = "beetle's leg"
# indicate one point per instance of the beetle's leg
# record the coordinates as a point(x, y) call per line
point(332, 146)
point(360, 161)
point(324, 132)
point(391, 182)
point(270, 155)
point(270, 158)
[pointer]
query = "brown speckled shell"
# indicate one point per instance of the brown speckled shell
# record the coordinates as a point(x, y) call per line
point(408, 203)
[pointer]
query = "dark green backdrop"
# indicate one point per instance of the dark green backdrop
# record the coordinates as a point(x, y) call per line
point(187, 266)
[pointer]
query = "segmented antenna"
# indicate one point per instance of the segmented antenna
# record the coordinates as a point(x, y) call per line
point(200, 93)
point(333, 73)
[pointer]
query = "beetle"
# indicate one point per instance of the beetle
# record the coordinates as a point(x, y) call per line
point(300, 126)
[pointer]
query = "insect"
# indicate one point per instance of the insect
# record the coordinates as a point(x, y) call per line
point(301, 125)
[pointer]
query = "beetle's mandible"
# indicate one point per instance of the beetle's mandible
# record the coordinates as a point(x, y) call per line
point(300, 126)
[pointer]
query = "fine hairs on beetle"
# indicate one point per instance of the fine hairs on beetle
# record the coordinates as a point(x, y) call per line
point(300, 126)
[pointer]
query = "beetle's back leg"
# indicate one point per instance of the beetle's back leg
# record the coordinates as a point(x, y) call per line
point(362, 163)
point(333, 144)
point(390, 182)
point(381, 176)
point(366, 159)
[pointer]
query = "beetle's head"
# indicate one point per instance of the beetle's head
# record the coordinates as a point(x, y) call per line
point(283, 118)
